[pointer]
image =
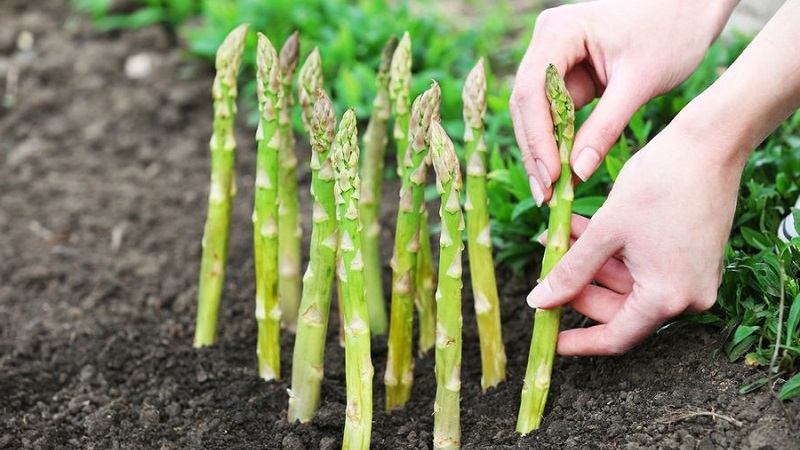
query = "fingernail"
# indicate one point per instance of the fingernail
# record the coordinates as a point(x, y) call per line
point(544, 174)
point(540, 294)
point(587, 163)
point(536, 190)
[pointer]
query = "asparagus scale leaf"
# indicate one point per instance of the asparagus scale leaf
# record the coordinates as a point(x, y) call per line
point(222, 189)
point(545, 331)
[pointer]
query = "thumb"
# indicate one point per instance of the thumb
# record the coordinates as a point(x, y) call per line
point(575, 271)
point(603, 127)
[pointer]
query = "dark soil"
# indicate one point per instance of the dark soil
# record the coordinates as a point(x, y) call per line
point(103, 184)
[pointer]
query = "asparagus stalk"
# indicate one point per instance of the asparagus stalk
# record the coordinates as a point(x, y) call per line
point(312, 325)
point(358, 362)
point(400, 96)
point(375, 140)
point(424, 296)
point(545, 331)
point(222, 189)
point(446, 410)
point(399, 374)
point(479, 243)
point(265, 212)
point(289, 228)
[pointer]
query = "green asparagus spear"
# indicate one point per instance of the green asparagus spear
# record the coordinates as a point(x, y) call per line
point(479, 243)
point(358, 362)
point(265, 213)
point(309, 80)
point(222, 190)
point(545, 331)
point(446, 410)
point(375, 140)
point(289, 228)
point(399, 374)
point(424, 296)
point(312, 325)
point(400, 95)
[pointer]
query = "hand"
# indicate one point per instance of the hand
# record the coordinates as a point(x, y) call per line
point(625, 52)
point(655, 247)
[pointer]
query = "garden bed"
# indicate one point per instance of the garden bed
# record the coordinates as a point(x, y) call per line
point(103, 184)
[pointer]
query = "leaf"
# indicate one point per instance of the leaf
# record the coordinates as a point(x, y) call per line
point(613, 165)
point(755, 239)
point(587, 206)
point(742, 332)
point(791, 388)
point(793, 321)
point(750, 387)
point(522, 207)
point(737, 351)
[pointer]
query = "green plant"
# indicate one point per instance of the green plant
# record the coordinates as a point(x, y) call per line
point(759, 294)
point(312, 325)
point(358, 362)
point(289, 228)
point(149, 12)
point(399, 374)
point(446, 409)
point(375, 141)
point(479, 243)
point(222, 188)
point(265, 213)
point(545, 331)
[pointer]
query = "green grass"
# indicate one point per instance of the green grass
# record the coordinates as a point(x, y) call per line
point(758, 306)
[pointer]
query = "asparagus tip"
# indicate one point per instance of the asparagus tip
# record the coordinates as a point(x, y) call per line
point(267, 72)
point(444, 158)
point(474, 96)
point(386, 55)
point(323, 122)
point(308, 82)
point(290, 55)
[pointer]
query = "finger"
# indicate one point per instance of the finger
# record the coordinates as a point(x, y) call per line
point(614, 274)
point(576, 269)
point(598, 303)
point(630, 326)
point(604, 126)
point(554, 43)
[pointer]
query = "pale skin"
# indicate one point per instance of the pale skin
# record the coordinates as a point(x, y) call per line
point(655, 248)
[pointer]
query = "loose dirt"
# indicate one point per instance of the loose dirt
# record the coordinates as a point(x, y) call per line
point(103, 184)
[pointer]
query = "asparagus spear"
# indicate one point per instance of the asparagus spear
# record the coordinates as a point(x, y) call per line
point(375, 140)
point(446, 410)
point(545, 331)
point(479, 243)
point(309, 80)
point(312, 325)
point(222, 190)
point(399, 374)
point(424, 296)
point(288, 216)
point(265, 213)
point(400, 96)
point(358, 363)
